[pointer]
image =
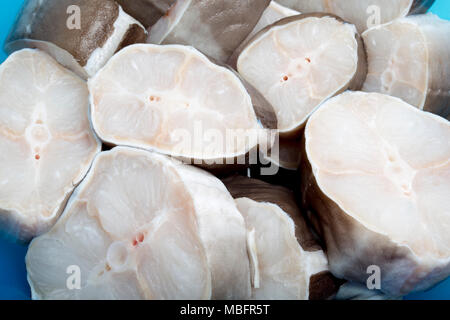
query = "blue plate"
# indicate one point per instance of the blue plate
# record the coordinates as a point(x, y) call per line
point(13, 276)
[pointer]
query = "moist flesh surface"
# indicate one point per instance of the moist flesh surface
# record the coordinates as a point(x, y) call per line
point(172, 99)
point(299, 64)
point(46, 138)
point(407, 59)
point(143, 226)
point(281, 268)
point(382, 168)
point(362, 13)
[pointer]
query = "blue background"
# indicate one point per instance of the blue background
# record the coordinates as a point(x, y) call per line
point(13, 283)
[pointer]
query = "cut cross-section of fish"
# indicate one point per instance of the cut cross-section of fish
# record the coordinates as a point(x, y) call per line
point(215, 27)
point(80, 34)
point(299, 62)
point(376, 178)
point(46, 141)
point(174, 100)
point(148, 12)
point(143, 226)
point(363, 13)
point(286, 261)
point(409, 58)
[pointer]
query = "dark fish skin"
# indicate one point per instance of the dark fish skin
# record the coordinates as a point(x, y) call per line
point(47, 22)
point(323, 285)
point(421, 6)
point(148, 12)
point(217, 27)
point(257, 190)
